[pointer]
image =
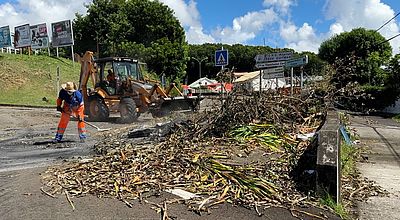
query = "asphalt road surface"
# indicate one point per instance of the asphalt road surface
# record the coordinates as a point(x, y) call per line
point(381, 138)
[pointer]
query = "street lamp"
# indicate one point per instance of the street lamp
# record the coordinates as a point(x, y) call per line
point(199, 61)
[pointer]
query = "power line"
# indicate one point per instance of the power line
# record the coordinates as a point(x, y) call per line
point(388, 22)
point(388, 39)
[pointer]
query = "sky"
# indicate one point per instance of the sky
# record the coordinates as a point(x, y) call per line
point(298, 24)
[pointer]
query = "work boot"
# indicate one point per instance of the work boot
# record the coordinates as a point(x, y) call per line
point(55, 141)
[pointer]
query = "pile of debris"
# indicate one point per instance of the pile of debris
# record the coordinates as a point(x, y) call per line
point(243, 153)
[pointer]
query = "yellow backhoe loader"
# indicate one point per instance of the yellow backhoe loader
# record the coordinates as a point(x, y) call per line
point(118, 85)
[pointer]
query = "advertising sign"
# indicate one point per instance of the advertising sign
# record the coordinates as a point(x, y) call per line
point(22, 37)
point(62, 34)
point(39, 36)
point(5, 38)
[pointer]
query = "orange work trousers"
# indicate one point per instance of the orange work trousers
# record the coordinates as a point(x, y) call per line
point(64, 120)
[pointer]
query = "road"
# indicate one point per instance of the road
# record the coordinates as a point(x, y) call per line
point(381, 138)
point(25, 154)
point(25, 135)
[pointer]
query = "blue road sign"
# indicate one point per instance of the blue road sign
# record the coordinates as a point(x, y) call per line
point(301, 61)
point(221, 57)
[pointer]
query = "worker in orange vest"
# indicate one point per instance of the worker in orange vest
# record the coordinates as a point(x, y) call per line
point(70, 103)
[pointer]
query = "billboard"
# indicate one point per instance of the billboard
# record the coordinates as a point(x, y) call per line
point(39, 36)
point(22, 37)
point(62, 34)
point(5, 38)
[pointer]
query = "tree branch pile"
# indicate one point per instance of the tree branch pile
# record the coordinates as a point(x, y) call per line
point(242, 153)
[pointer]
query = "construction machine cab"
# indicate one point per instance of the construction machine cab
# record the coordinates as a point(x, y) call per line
point(114, 72)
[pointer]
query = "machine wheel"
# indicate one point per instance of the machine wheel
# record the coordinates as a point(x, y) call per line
point(98, 110)
point(127, 109)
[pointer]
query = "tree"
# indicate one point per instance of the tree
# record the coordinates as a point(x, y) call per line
point(370, 49)
point(315, 64)
point(362, 58)
point(143, 28)
point(393, 80)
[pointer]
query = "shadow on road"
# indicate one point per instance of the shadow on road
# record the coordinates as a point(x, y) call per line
point(389, 145)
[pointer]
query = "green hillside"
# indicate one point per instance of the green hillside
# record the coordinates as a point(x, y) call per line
point(26, 80)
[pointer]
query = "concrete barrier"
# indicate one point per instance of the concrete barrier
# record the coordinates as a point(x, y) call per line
point(328, 157)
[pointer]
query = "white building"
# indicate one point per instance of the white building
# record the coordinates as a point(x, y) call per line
point(201, 84)
point(250, 82)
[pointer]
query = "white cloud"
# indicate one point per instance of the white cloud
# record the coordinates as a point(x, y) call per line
point(189, 17)
point(243, 28)
point(39, 11)
point(246, 27)
point(195, 35)
point(281, 5)
point(346, 15)
point(335, 29)
point(370, 14)
point(187, 14)
point(300, 38)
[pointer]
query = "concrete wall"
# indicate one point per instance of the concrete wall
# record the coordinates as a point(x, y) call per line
point(328, 157)
point(394, 109)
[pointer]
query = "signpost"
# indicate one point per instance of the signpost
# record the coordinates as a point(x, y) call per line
point(273, 75)
point(277, 72)
point(270, 57)
point(301, 61)
point(221, 57)
point(295, 62)
point(272, 65)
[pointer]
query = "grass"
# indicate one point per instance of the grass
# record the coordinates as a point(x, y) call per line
point(348, 157)
point(26, 80)
point(338, 208)
point(397, 118)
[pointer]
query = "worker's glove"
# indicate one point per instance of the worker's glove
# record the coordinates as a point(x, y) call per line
point(80, 119)
point(59, 109)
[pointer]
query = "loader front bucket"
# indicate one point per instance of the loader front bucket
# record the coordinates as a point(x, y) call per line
point(180, 103)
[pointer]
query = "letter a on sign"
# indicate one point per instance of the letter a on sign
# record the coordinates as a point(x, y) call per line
point(221, 57)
